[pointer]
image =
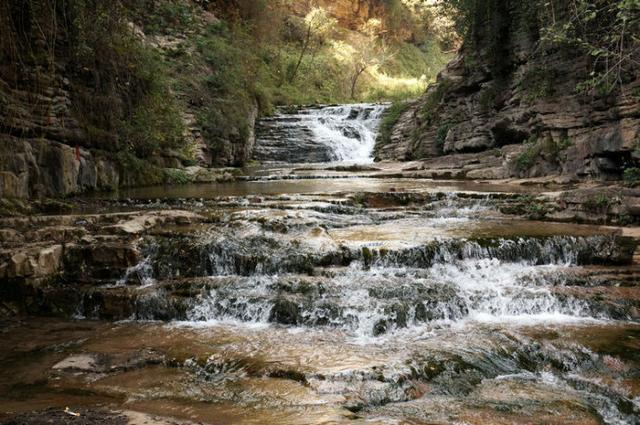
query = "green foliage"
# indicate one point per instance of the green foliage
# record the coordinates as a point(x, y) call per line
point(120, 90)
point(528, 158)
point(221, 86)
point(599, 203)
point(463, 13)
point(397, 18)
point(176, 176)
point(168, 16)
point(434, 98)
point(441, 136)
point(156, 123)
point(538, 83)
point(537, 210)
point(391, 117)
point(564, 143)
point(597, 85)
point(413, 61)
point(631, 176)
point(606, 31)
point(137, 172)
point(546, 148)
point(132, 91)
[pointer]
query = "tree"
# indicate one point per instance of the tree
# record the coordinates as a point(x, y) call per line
point(366, 52)
point(609, 32)
point(604, 30)
point(318, 26)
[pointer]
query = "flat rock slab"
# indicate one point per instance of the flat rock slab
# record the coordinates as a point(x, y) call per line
point(79, 362)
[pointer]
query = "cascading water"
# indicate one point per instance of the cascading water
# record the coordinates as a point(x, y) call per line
point(344, 133)
point(384, 300)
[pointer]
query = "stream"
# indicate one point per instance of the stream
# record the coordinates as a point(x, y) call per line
point(321, 289)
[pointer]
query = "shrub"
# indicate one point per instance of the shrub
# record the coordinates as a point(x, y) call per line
point(176, 176)
point(528, 158)
point(631, 176)
point(599, 203)
point(169, 16)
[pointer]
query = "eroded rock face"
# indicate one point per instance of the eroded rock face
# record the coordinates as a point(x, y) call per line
point(49, 145)
point(531, 113)
point(350, 13)
point(34, 167)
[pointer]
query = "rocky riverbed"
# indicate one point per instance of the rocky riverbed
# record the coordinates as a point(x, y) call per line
point(339, 292)
point(316, 295)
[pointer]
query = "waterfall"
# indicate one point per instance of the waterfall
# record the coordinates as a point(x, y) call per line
point(343, 133)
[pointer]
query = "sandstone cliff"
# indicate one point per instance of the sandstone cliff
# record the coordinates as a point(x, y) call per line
point(524, 111)
point(349, 13)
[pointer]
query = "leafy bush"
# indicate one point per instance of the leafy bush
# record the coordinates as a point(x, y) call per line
point(168, 16)
point(599, 203)
point(528, 158)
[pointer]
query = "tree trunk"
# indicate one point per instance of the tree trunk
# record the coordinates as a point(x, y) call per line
point(305, 46)
point(354, 81)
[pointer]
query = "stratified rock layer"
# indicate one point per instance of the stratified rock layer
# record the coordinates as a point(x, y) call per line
point(528, 112)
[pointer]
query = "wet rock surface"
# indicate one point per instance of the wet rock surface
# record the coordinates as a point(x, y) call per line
point(318, 134)
point(347, 300)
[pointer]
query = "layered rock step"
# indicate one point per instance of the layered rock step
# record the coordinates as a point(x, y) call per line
point(403, 305)
point(318, 134)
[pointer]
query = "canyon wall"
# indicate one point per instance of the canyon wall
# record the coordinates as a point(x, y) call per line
point(518, 99)
point(88, 100)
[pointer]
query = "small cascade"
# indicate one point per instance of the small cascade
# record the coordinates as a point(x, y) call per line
point(372, 302)
point(344, 133)
point(235, 277)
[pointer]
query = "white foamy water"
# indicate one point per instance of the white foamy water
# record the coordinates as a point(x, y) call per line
point(324, 134)
point(350, 130)
point(372, 302)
